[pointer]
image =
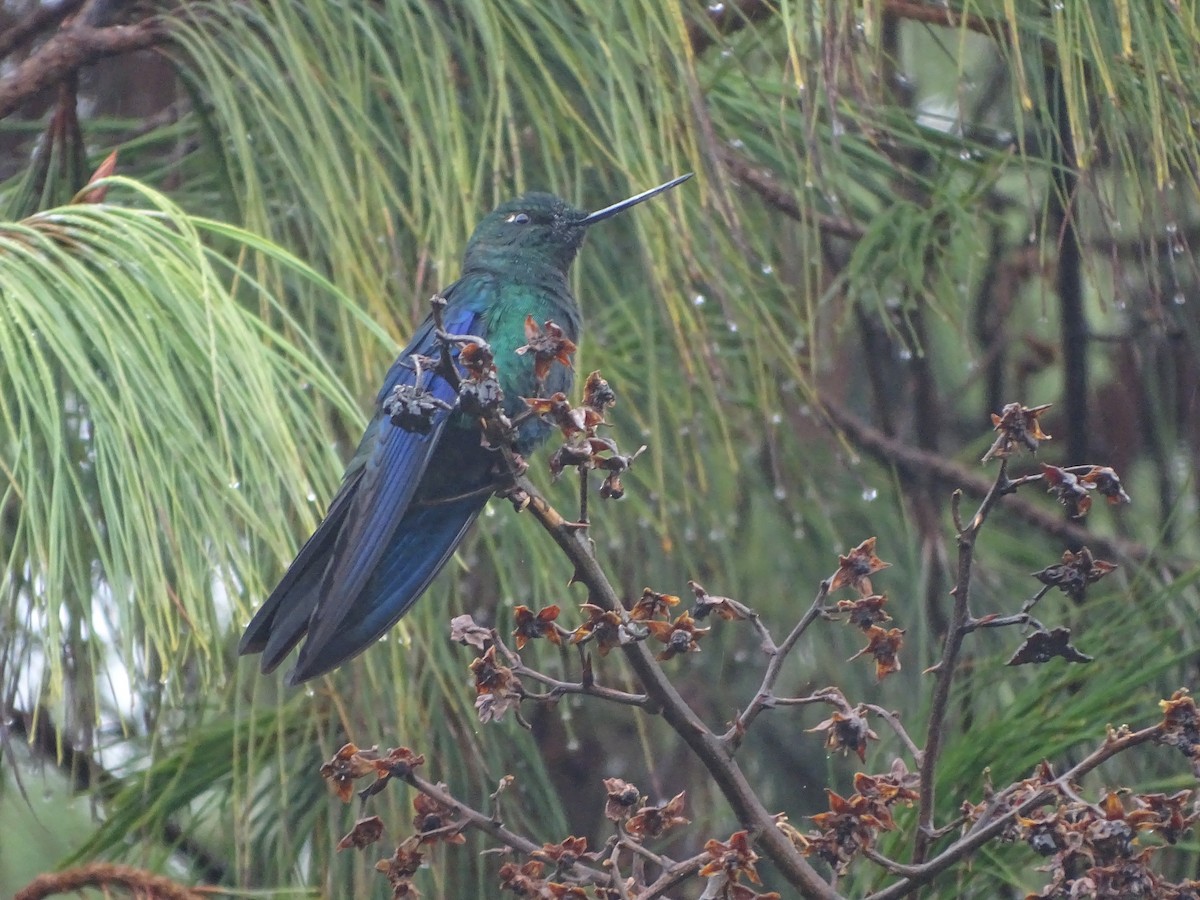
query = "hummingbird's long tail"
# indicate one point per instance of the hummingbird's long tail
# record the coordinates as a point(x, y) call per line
point(424, 541)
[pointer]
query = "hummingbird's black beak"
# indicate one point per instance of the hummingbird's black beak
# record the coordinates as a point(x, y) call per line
point(601, 214)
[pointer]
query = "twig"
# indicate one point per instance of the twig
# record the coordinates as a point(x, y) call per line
point(70, 49)
point(763, 183)
point(945, 669)
point(893, 721)
point(763, 697)
point(560, 688)
point(674, 876)
point(487, 824)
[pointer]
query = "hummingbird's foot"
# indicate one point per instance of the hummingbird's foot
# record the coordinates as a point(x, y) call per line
point(518, 497)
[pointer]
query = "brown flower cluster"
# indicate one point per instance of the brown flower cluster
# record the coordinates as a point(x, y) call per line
point(582, 446)
point(625, 803)
point(1093, 848)
point(1073, 486)
point(1181, 727)
point(479, 392)
point(607, 628)
point(351, 763)
point(853, 823)
point(497, 688)
point(681, 635)
point(865, 613)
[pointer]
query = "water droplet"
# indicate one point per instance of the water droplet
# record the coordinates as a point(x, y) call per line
point(1120, 304)
point(1172, 228)
point(964, 155)
point(780, 492)
point(235, 485)
point(767, 268)
point(904, 353)
point(737, 143)
point(726, 53)
point(1179, 299)
point(869, 494)
point(311, 496)
point(732, 326)
point(573, 745)
point(716, 8)
point(776, 418)
point(1176, 247)
point(699, 300)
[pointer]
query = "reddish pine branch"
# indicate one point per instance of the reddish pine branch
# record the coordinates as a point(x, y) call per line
point(103, 877)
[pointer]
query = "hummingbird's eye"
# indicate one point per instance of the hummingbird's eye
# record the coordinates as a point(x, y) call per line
point(518, 219)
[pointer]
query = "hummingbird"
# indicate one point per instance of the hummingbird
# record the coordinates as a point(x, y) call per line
point(410, 494)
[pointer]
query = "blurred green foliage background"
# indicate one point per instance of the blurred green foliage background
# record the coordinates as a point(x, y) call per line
point(906, 214)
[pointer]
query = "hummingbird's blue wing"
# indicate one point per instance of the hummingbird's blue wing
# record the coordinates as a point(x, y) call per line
point(376, 551)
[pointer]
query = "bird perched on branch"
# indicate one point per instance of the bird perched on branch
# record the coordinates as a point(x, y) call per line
point(421, 473)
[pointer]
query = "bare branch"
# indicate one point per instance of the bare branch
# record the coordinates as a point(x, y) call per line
point(71, 49)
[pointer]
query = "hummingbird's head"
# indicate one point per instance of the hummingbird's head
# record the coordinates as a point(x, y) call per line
point(532, 229)
point(540, 231)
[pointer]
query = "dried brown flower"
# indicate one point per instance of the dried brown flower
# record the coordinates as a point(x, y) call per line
point(733, 858)
point(652, 821)
point(465, 630)
point(1070, 490)
point(865, 612)
point(622, 800)
point(548, 345)
point(603, 626)
point(531, 626)
point(1075, 573)
point(1042, 646)
point(884, 645)
point(651, 605)
point(856, 568)
point(724, 607)
point(434, 821)
point(1181, 726)
point(497, 689)
point(1018, 427)
point(847, 731)
point(680, 636)
point(365, 832)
